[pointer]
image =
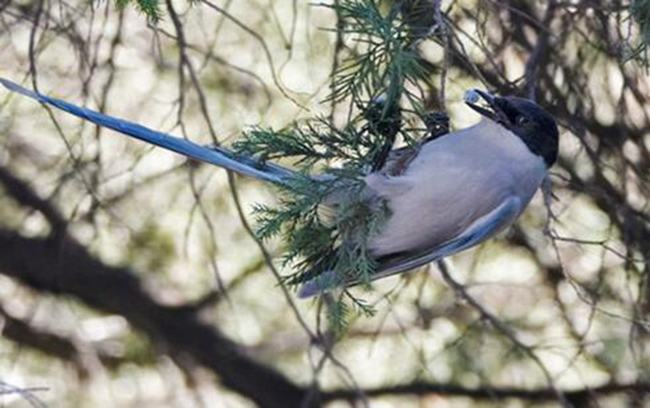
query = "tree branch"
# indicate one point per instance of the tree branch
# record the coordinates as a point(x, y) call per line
point(23, 334)
point(488, 393)
point(24, 194)
point(65, 267)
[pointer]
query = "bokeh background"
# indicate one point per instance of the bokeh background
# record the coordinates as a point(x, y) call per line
point(131, 277)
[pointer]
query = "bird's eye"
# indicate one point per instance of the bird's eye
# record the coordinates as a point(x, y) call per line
point(522, 120)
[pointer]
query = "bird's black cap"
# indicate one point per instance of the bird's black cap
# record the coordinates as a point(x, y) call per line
point(534, 125)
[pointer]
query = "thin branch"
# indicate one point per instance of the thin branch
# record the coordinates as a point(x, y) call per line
point(502, 328)
point(490, 393)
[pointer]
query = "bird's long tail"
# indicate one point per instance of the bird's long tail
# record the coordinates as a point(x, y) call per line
point(214, 155)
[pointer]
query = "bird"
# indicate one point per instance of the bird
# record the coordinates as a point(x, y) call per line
point(445, 195)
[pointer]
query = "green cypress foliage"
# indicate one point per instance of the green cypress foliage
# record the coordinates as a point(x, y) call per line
point(324, 215)
point(150, 8)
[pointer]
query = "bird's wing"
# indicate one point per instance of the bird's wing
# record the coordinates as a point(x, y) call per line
point(477, 232)
point(214, 155)
point(398, 160)
point(480, 230)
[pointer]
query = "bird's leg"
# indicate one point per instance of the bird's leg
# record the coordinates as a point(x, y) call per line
point(384, 120)
point(437, 124)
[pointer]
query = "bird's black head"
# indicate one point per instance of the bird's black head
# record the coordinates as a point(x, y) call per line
point(536, 127)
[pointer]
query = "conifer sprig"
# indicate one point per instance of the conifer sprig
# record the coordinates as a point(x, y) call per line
point(325, 214)
point(150, 8)
point(385, 61)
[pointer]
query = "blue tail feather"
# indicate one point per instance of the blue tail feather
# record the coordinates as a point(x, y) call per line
point(218, 156)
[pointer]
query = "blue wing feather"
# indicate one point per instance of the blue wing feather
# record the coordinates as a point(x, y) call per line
point(214, 155)
point(478, 232)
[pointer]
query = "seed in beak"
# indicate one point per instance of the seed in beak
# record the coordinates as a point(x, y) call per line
point(472, 96)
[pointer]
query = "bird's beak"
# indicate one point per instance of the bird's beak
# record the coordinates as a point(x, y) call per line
point(492, 110)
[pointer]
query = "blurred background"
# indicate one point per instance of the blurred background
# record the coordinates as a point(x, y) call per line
point(131, 277)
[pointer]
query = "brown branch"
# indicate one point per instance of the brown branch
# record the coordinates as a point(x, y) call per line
point(24, 194)
point(22, 333)
point(489, 393)
point(65, 267)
